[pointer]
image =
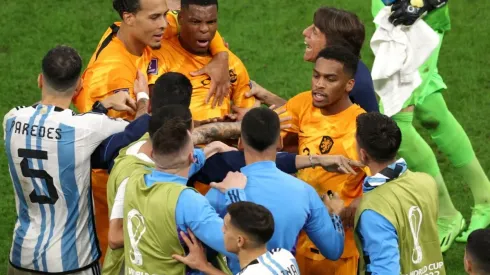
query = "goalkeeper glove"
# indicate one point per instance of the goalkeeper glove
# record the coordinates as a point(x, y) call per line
point(406, 12)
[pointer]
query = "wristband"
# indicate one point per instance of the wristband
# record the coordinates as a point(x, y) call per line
point(142, 95)
point(99, 108)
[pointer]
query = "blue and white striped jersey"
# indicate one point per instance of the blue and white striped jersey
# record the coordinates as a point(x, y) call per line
point(276, 261)
point(48, 151)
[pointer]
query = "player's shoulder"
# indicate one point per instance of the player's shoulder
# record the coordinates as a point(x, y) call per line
point(282, 253)
point(18, 110)
point(303, 99)
point(90, 119)
point(253, 268)
point(234, 60)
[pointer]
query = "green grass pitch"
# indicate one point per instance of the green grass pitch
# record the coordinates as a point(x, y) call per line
point(266, 35)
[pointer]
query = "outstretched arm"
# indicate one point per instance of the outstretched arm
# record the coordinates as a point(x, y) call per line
point(216, 131)
point(265, 96)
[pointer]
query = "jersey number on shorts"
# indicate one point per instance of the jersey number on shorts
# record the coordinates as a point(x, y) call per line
point(41, 174)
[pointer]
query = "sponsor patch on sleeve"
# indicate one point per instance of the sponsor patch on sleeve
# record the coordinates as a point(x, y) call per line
point(153, 67)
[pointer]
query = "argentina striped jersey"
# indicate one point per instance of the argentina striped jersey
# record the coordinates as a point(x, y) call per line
point(48, 151)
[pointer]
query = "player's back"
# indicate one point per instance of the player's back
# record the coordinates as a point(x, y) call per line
point(275, 261)
point(49, 151)
point(288, 199)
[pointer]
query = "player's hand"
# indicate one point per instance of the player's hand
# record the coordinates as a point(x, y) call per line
point(338, 164)
point(196, 259)
point(333, 202)
point(120, 101)
point(232, 180)
point(219, 73)
point(348, 214)
point(286, 122)
point(257, 91)
point(406, 12)
point(141, 84)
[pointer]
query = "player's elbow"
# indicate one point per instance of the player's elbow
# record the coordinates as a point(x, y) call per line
point(116, 234)
point(333, 249)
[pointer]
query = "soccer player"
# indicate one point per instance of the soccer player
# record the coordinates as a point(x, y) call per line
point(324, 123)
point(247, 229)
point(428, 106)
point(190, 51)
point(49, 152)
point(476, 257)
point(152, 237)
point(123, 51)
point(294, 204)
point(396, 221)
point(333, 27)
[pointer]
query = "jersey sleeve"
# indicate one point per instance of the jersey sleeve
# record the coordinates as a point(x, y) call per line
point(240, 81)
point(379, 243)
point(293, 109)
point(324, 231)
point(8, 116)
point(194, 212)
point(173, 27)
point(108, 80)
point(217, 45)
point(102, 127)
point(118, 207)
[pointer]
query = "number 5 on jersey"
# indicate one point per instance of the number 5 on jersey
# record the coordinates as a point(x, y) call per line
point(40, 174)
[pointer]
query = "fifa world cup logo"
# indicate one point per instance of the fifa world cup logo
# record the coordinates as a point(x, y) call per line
point(136, 228)
point(415, 221)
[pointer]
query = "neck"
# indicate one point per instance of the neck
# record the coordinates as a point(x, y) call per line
point(252, 156)
point(49, 98)
point(338, 107)
point(376, 167)
point(146, 149)
point(247, 256)
point(133, 46)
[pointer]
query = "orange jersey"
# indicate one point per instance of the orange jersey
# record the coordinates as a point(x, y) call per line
point(114, 69)
point(172, 57)
point(334, 135)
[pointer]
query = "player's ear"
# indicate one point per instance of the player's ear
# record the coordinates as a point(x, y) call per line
point(240, 241)
point(128, 18)
point(280, 144)
point(40, 81)
point(240, 144)
point(467, 263)
point(79, 87)
point(350, 85)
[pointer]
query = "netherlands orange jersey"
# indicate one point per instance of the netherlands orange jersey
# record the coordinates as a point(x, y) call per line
point(334, 135)
point(172, 57)
point(112, 69)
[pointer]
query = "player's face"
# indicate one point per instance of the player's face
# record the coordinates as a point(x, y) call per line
point(198, 25)
point(329, 82)
point(315, 41)
point(149, 22)
point(230, 235)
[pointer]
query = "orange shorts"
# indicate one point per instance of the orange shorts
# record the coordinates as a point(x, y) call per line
point(343, 266)
point(99, 191)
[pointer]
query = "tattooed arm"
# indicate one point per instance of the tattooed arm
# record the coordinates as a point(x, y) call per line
point(216, 131)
